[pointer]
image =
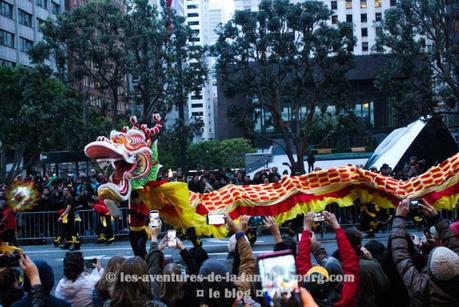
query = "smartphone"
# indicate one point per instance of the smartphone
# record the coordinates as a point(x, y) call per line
point(318, 217)
point(255, 221)
point(215, 219)
point(414, 204)
point(89, 263)
point(172, 238)
point(278, 274)
point(154, 218)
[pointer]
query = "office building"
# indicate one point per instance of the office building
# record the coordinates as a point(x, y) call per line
point(20, 27)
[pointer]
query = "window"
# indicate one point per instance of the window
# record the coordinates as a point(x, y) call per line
point(197, 113)
point(393, 2)
point(334, 5)
point(41, 3)
point(40, 24)
point(6, 39)
point(196, 105)
point(25, 44)
point(193, 15)
point(364, 32)
point(195, 31)
point(334, 19)
point(377, 3)
point(191, 6)
point(365, 46)
point(194, 39)
point(6, 9)
point(378, 16)
point(25, 18)
point(193, 23)
point(349, 4)
point(196, 97)
point(349, 17)
point(7, 63)
point(363, 4)
point(363, 18)
point(55, 9)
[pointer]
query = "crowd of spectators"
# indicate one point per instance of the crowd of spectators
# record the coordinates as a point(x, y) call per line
point(405, 272)
point(209, 181)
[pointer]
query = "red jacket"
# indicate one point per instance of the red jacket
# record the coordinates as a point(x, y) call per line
point(101, 208)
point(349, 261)
point(139, 215)
point(8, 219)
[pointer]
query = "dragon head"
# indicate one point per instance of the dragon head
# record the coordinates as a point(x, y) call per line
point(133, 156)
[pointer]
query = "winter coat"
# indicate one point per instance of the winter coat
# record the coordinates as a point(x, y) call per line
point(48, 301)
point(374, 284)
point(349, 261)
point(79, 292)
point(422, 288)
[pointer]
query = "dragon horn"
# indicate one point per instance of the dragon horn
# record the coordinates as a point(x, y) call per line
point(158, 126)
point(133, 120)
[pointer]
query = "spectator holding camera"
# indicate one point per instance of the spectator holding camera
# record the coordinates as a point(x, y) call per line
point(329, 293)
point(77, 286)
point(439, 284)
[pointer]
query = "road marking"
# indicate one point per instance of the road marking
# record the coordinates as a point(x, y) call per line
point(42, 251)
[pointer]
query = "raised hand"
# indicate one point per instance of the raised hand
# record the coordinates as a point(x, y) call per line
point(403, 208)
point(308, 221)
point(428, 210)
point(244, 222)
point(30, 269)
point(331, 220)
point(271, 224)
point(231, 225)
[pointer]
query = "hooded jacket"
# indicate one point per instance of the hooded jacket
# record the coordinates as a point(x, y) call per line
point(349, 260)
point(79, 292)
point(422, 288)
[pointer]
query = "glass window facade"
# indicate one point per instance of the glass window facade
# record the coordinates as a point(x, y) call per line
point(25, 18)
point(6, 9)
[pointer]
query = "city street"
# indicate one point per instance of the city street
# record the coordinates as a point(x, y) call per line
point(216, 248)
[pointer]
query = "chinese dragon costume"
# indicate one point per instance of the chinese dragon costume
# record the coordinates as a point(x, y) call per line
point(134, 157)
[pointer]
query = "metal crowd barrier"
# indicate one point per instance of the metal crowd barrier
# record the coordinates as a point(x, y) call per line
point(43, 225)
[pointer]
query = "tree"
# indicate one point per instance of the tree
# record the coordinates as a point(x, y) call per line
point(421, 40)
point(219, 154)
point(39, 113)
point(291, 66)
point(156, 42)
point(88, 43)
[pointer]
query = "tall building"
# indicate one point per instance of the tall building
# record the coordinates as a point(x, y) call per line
point(364, 14)
point(203, 17)
point(20, 27)
point(369, 104)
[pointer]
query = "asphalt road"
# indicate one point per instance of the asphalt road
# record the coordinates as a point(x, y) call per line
point(216, 248)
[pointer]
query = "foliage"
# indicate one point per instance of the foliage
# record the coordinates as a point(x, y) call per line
point(39, 113)
point(169, 149)
point(219, 154)
point(158, 44)
point(287, 56)
point(421, 40)
point(89, 40)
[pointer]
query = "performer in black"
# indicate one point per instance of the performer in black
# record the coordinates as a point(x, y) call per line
point(67, 223)
point(139, 232)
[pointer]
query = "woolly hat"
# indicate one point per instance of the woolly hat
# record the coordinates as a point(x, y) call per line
point(46, 277)
point(232, 243)
point(213, 266)
point(455, 228)
point(443, 263)
point(316, 282)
